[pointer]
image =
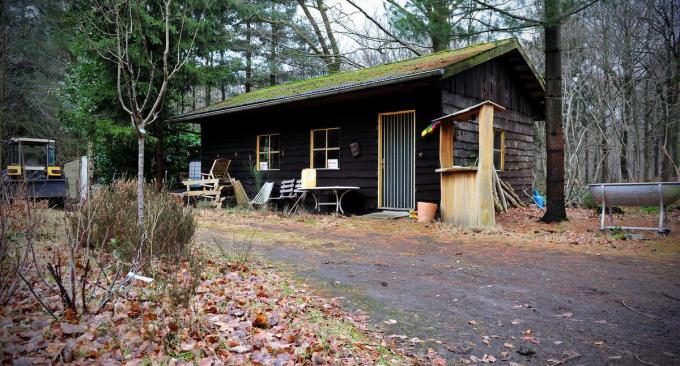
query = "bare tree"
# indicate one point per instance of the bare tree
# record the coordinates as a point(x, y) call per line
point(142, 75)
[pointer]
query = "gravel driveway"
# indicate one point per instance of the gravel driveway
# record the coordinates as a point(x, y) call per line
point(468, 298)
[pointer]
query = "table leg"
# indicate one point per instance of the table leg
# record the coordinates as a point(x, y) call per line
point(603, 209)
point(662, 209)
point(317, 208)
point(340, 201)
point(337, 201)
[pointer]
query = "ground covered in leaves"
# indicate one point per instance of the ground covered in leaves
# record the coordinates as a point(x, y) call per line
point(242, 312)
point(524, 293)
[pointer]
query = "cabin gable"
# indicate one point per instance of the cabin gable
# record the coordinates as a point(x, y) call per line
point(495, 80)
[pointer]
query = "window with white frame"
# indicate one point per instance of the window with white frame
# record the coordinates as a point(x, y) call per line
point(325, 148)
point(268, 152)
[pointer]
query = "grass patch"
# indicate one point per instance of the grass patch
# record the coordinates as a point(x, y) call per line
point(333, 328)
point(649, 209)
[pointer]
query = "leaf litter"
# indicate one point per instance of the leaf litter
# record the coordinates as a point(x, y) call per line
point(237, 316)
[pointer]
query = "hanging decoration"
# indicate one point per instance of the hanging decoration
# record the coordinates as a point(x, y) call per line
point(433, 126)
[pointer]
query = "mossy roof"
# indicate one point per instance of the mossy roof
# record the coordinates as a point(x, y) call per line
point(424, 65)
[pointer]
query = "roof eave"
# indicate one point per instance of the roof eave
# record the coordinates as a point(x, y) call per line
point(489, 55)
point(320, 94)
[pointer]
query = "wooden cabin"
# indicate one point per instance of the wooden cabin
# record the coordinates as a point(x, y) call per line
point(363, 128)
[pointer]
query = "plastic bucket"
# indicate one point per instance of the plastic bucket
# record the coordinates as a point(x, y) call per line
point(426, 211)
point(308, 178)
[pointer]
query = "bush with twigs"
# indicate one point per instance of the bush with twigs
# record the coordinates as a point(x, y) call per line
point(20, 225)
point(168, 228)
point(104, 251)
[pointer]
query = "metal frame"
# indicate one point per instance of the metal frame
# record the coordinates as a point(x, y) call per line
point(662, 216)
point(381, 162)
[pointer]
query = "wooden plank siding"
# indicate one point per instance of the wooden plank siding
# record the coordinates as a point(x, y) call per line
point(233, 136)
point(494, 81)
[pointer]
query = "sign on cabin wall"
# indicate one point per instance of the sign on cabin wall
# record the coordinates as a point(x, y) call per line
point(332, 163)
point(264, 165)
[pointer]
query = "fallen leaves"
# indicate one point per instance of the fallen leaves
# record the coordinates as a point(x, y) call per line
point(71, 329)
point(238, 316)
point(261, 321)
point(484, 359)
point(528, 335)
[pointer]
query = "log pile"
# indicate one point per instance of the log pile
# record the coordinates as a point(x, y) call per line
point(504, 196)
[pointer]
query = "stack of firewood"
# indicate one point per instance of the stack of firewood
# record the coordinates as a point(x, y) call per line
point(504, 196)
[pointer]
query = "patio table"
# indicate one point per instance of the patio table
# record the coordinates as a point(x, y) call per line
point(338, 191)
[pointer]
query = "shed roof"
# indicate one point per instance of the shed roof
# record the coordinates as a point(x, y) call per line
point(444, 64)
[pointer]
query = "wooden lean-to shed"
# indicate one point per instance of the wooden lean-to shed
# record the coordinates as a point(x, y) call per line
point(467, 191)
point(362, 128)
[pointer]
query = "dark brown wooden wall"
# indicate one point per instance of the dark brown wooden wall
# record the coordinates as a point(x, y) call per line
point(233, 136)
point(494, 81)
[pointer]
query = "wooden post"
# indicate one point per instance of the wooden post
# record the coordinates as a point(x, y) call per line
point(484, 179)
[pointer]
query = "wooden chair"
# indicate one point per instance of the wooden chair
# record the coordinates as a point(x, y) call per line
point(240, 194)
point(219, 170)
point(207, 188)
point(212, 185)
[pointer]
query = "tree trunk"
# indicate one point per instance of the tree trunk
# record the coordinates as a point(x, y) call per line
point(554, 133)
point(208, 85)
point(321, 7)
point(273, 66)
point(140, 180)
point(440, 28)
point(249, 59)
point(159, 152)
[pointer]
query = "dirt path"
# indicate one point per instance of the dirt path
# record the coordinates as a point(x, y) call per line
point(458, 295)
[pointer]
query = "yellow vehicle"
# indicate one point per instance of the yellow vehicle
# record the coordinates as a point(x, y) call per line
point(32, 163)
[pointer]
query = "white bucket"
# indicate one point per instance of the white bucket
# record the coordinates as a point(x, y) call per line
point(308, 178)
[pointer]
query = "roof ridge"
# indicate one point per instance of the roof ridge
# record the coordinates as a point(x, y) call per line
point(406, 60)
point(423, 64)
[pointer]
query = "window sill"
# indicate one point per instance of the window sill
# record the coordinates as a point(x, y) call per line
point(331, 169)
point(268, 170)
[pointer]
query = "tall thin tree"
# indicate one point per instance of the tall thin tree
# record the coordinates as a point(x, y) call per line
point(142, 73)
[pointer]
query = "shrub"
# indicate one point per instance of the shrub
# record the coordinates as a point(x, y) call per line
point(588, 201)
point(21, 223)
point(110, 218)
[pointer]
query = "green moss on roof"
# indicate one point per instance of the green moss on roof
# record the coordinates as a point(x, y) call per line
point(431, 62)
